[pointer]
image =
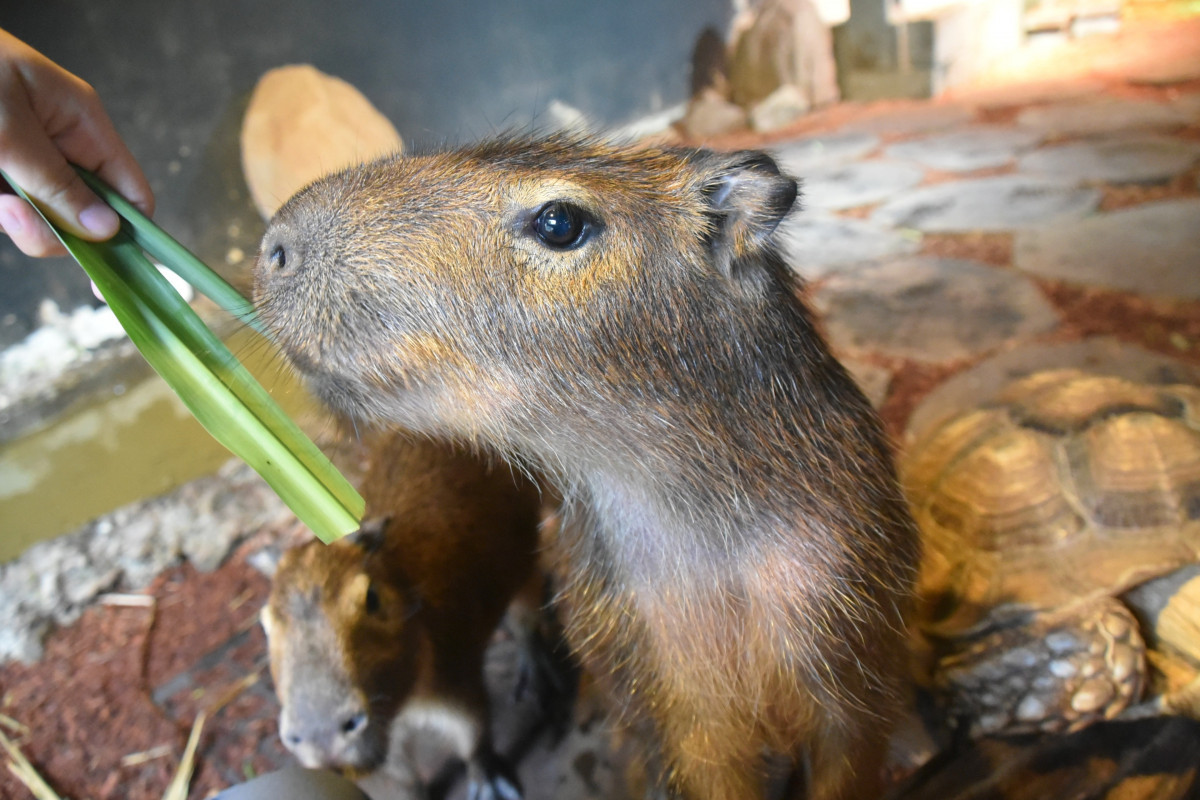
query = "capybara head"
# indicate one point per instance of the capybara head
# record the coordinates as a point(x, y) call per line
point(459, 290)
point(343, 650)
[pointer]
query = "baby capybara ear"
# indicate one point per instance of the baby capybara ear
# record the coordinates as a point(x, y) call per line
point(747, 198)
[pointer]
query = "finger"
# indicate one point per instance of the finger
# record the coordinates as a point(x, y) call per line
point(27, 229)
point(33, 161)
point(94, 144)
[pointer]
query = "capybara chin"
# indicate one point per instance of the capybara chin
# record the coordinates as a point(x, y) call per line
point(738, 557)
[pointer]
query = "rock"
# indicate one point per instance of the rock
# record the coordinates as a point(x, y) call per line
point(931, 310)
point(1105, 115)
point(988, 204)
point(301, 124)
point(1124, 159)
point(817, 152)
point(786, 43)
point(858, 184)
point(709, 114)
point(1151, 249)
point(979, 147)
point(781, 108)
point(818, 243)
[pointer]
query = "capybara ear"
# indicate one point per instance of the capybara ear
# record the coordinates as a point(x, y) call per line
point(747, 197)
point(370, 534)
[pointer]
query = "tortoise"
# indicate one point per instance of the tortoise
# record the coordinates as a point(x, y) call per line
point(1061, 527)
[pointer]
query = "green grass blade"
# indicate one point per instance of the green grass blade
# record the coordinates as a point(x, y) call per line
point(173, 255)
point(166, 305)
point(211, 401)
point(214, 385)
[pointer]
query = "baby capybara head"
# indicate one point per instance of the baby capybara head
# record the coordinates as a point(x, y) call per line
point(456, 291)
point(343, 650)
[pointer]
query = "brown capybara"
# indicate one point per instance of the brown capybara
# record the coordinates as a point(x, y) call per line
point(739, 559)
point(382, 635)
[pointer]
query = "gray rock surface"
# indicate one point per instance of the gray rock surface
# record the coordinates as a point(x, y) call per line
point(817, 242)
point(931, 310)
point(858, 184)
point(819, 152)
point(984, 382)
point(1103, 115)
point(1153, 249)
point(979, 147)
point(1123, 159)
point(1008, 202)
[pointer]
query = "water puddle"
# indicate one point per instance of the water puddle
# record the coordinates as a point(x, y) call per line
point(124, 446)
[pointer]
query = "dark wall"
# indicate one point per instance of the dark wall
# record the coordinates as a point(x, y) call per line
point(175, 76)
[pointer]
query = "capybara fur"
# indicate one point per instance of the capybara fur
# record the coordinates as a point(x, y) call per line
point(739, 559)
point(383, 633)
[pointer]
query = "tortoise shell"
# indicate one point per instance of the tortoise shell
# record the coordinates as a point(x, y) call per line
point(1070, 487)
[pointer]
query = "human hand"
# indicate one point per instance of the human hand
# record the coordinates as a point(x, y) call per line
point(49, 117)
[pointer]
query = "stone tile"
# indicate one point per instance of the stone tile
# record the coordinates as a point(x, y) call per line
point(817, 243)
point(912, 120)
point(931, 310)
point(1152, 249)
point(1125, 159)
point(858, 184)
point(1105, 115)
point(984, 382)
point(979, 147)
point(818, 152)
point(1008, 202)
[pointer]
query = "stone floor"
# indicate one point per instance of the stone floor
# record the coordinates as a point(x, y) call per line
point(948, 248)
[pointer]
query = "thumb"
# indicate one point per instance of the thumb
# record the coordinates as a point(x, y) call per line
point(61, 195)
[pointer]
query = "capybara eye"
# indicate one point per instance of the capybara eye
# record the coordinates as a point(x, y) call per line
point(278, 258)
point(372, 600)
point(560, 225)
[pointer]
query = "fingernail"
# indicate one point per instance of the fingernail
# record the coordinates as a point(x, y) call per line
point(10, 222)
point(99, 219)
